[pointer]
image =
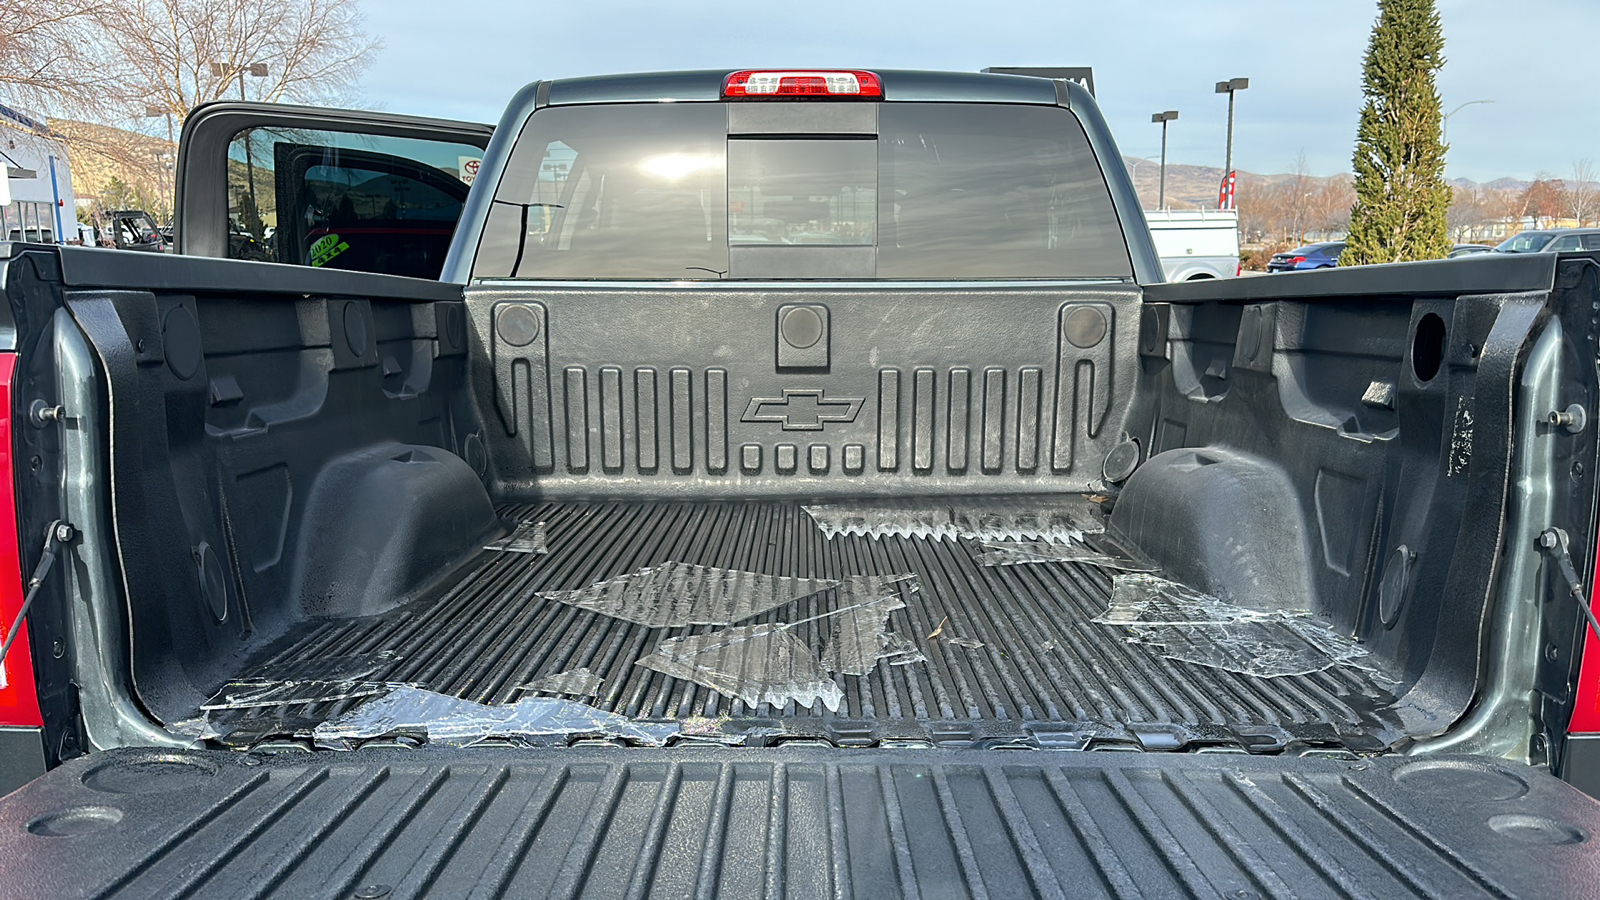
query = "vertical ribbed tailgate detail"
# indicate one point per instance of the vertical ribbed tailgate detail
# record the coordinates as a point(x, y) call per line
point(792, 822)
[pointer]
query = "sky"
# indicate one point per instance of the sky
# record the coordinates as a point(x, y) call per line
point(1303, 61)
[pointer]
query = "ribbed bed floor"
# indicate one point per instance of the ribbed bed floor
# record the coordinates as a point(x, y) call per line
point(1044, 673)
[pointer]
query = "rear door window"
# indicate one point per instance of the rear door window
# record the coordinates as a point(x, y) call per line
point(662, 191)
point(343, 200)
point(975, 191)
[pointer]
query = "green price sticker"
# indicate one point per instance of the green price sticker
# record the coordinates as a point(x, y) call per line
point(326, 248)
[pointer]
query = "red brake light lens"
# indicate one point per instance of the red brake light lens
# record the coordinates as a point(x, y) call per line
point(1296, 260)
point(818, 84)
point(19, 699)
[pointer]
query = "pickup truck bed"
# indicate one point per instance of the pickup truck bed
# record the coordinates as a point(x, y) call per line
point(1027, 664)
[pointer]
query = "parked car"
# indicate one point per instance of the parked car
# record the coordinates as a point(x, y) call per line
point(1469, 250)
point(135, 229)
point(626, 556)
point(1196, 244)
point(1324, 255)
point(1555, 240)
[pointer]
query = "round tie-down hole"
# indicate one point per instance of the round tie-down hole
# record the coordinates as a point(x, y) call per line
point(1084, 326)
point(801, 327)
point(74, 821)
point(517, 325)
point(1536, 830)
point(1427, 347)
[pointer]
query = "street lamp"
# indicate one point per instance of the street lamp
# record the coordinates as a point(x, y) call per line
point(1230, 87)
point(1163, 118)
point(158, 112)
point(229, 70)
point(1444, 122)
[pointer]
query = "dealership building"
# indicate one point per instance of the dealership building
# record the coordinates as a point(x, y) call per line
point(36, 200)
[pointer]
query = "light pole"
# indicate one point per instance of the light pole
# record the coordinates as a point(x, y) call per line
point(157, 112)
point(231, 69)
point(1163, 118)
point(1444, 123)
point(1230, 87)
point(255, 70)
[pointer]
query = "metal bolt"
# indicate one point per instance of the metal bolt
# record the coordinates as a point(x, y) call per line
point(370, 891)
point(139, 345)
point(1552, 652)
point(1574, 418)
point(1548, 540)
point(58, 649)
point(65, 533)
point(42, 413)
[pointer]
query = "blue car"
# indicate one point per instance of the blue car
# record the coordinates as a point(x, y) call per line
point(1311, 256)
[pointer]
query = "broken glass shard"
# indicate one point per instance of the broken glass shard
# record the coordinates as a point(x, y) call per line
point(673, 595)
point(755, 663)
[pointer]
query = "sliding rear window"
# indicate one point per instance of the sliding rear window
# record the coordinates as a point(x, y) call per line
point(664, 191)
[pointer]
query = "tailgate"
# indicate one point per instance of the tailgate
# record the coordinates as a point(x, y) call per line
point(793, 822)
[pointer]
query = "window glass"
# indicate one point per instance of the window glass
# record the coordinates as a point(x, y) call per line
point(636, 191)
point(1563, 244)
point(990, 191)
point(341, 200)
point(1526, 242)
point(661, 191)
point(802, 191)
point(1591, 240)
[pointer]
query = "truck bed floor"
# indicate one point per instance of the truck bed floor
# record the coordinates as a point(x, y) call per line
point(1017, 657)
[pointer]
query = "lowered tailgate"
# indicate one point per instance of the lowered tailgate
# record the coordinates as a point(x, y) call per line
point(793, 822)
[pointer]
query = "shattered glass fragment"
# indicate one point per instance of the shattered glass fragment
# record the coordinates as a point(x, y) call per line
point(253, 693)
point(576, 682)
point(338, 667)
point(443, 719)
point(673, 595)
point(899, 650)
point(1147, 599)
point(999, 519)
point(199, 728)
point(526, 537)
point(726, 730)
point(1186, 625)
point(968, 643)
point(860, 625)
point(875, 520)
point(755, 663)
point(1029, 519)
point(1021, 553)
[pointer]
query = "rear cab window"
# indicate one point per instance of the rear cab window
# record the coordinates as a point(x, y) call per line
point(695, 191)
point(346, 200)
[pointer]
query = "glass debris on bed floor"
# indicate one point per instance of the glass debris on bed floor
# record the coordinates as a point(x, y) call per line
point(1023, 553)
point(579, 682)
point(673, 595)
point(526, 537)
point(992, 519)
point(408, 711)
point(1183, 624)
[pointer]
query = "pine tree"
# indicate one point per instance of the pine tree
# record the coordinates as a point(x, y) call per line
point(1401, 197)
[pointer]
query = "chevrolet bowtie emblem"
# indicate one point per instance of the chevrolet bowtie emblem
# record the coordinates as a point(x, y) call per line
point(802, 410)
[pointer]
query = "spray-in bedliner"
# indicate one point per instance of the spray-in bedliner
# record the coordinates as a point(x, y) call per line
point(1016, 656)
